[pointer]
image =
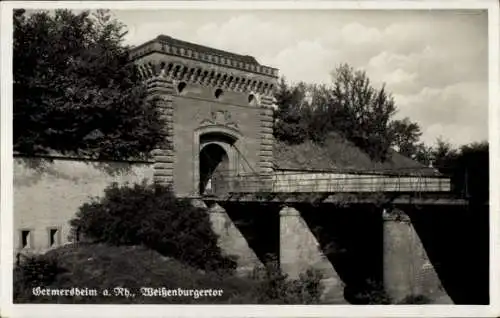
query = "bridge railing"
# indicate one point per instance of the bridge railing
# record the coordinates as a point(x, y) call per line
point(330, 182)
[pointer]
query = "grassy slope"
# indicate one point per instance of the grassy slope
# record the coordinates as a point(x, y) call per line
point(338, 154)
point(102, 266)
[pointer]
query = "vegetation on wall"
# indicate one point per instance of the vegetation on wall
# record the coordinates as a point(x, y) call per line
point(75, 91)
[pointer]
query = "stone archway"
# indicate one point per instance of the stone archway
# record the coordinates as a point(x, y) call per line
point(214, 169)
point(216, 159)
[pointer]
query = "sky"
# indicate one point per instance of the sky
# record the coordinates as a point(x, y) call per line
point(434, 62)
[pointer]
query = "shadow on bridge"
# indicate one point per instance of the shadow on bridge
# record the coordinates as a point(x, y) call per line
point(259, 225)
point(454, 237)
point(456, 240)
point(351, 239)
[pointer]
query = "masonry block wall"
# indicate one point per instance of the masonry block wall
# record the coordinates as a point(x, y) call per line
point(407, 268)
point(161, 90)
point(300, 251)
point(230, 239)
point(47, 195)
point(197, 104)
point(220, 97)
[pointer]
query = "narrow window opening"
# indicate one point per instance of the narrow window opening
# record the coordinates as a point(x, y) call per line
point(53, 237)
point(218, 93)
point(25, 239)
point(251, 98)
point(181, 87)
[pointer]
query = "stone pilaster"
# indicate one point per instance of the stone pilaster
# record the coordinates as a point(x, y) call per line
point(300, 251)
point(407, 270)
point(160, 90)
point(267, 142)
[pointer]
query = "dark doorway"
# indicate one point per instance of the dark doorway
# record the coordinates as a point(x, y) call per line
point(214, 170)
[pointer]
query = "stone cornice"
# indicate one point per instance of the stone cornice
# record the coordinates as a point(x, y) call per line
point(221, 78)
point(172, 47)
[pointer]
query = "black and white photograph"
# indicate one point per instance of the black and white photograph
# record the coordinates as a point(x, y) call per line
point(224, 154)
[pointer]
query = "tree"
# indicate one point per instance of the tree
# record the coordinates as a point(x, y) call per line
point(367, 111)
point(424, 154)
point(467, 167)
point(444, 155)
point(474, 163)
point(350, 106)
point(291, 118)
point(405, 136)
point(75, 89)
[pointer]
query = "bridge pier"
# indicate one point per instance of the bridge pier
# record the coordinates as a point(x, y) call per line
point(407, 270)
point(230, 239)
point(358, 249)
point(300, 251)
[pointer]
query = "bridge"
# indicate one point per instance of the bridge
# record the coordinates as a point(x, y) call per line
point(407, 185)
point(326, 207)
point(331, 188)
point(368, 226)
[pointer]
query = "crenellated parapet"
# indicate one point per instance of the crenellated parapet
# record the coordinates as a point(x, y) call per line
point(209, 99)
point(191, 63)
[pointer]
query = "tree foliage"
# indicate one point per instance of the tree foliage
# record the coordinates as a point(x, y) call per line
point(367, 109)
point(291, 123)
point(150, 215)
point(468, 167)
point(350, 106)
point(75, 90)
point(405, 137)
point(424, 154)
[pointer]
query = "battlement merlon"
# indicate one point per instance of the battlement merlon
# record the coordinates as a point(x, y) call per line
point(185, 61)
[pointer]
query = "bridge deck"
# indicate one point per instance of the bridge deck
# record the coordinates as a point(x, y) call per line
point(396, 198)
point(332, 182)
point(332, 187)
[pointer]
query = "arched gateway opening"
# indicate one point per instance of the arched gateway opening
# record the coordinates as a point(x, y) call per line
point(214, 169)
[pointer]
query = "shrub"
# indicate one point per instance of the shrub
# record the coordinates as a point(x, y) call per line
point(370, 293)
point(101, 266)
point(276, 288)
point(415, 300)
point(374, 293)
point(152, 216)
point(34, 271)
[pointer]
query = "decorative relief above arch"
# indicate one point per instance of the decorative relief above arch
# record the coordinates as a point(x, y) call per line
point(220, 118)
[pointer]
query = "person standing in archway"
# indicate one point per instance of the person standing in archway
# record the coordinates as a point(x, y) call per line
point(208, 187)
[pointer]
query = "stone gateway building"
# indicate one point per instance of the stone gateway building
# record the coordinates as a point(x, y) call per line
point(219, 150)
point(218, 108)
